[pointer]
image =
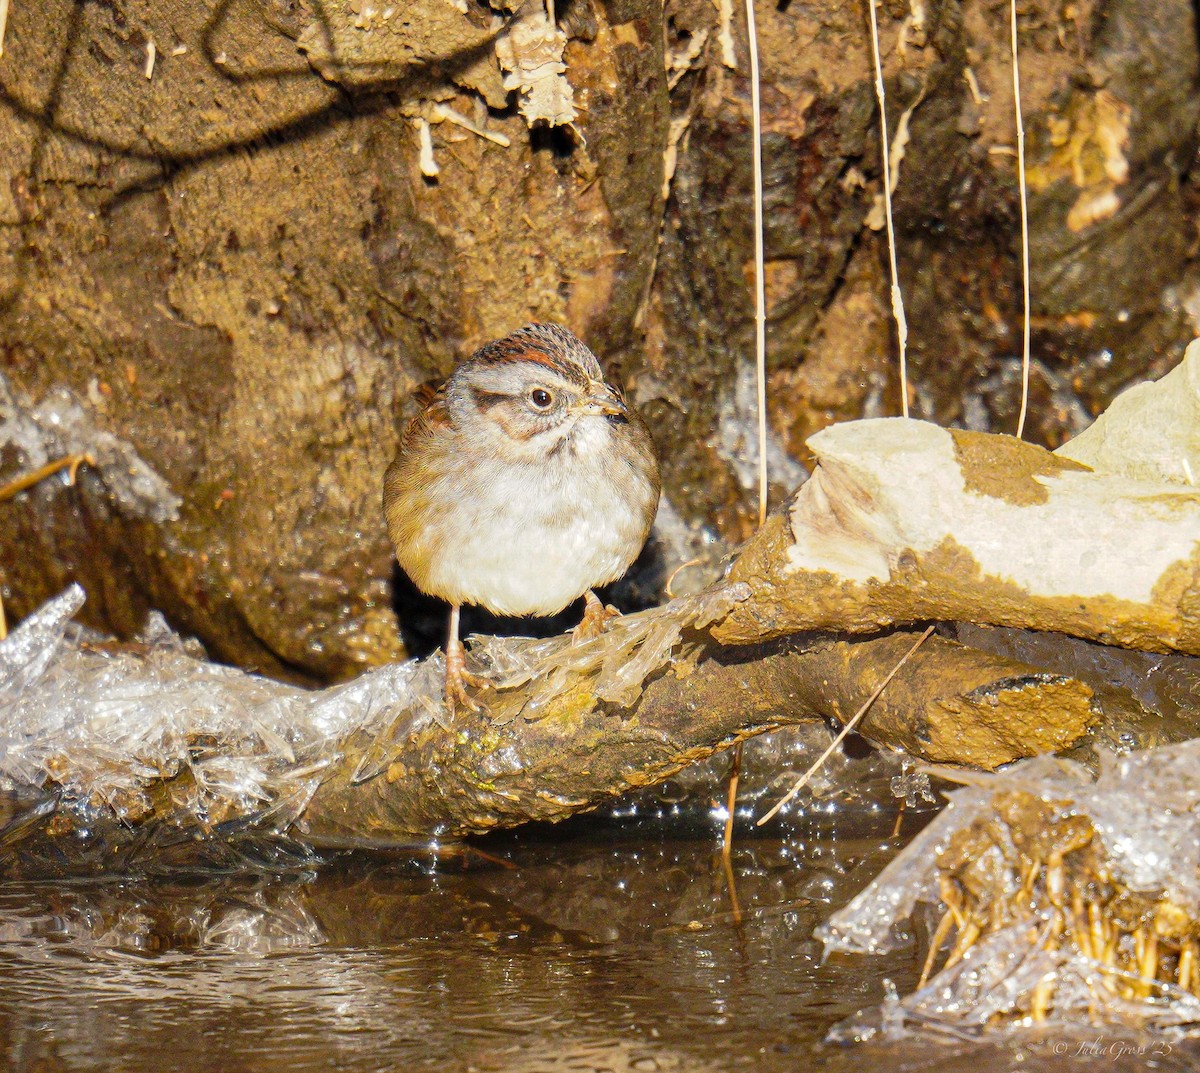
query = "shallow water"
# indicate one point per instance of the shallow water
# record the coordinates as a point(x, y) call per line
point(591, 947)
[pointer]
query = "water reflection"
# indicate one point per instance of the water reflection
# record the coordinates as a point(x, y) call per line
point(588, 953)
point(620, 952)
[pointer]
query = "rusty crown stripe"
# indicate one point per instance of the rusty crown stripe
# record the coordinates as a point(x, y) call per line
point(554, 348)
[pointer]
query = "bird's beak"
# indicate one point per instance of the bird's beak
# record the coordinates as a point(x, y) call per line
point(601, 400)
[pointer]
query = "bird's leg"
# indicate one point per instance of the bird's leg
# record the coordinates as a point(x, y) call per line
point(595, 618)
point(457, 675)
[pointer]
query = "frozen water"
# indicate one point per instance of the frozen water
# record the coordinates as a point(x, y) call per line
point(106, 725)
point(153, 731)
point(621, 658)
point(1144, 809)
point(59, 426)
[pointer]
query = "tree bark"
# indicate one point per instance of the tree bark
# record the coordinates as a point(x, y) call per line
point(237, 268)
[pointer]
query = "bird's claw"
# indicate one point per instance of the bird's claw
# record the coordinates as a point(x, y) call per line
point(457, 680)
point(595, 619)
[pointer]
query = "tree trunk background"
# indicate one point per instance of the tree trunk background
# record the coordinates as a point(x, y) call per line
point(237, 266)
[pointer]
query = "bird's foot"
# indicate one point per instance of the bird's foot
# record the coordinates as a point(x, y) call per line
point(595, 618)
point(457, 680)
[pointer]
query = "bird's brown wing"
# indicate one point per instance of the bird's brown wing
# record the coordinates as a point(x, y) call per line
point(431, 416)
point(404, 482)
point(428, 392)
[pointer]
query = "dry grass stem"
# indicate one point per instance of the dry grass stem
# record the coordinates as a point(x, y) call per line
point(426, 160)
point(760, 281)
point(3, 23)
point(935, 944)
point(70, 463)
point(734, 904)
point(1016, 70)
point(668, 588)
point(885, 144)
point(447, 114)
point(760, 347)
point(977, 95)
point(845, 731)
point(1058, 890)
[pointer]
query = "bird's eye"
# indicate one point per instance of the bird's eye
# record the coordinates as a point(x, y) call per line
point(541, 398)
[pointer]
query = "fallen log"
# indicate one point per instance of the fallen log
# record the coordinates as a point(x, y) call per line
point(949, 702)
point(904, 521)
point(149, 753)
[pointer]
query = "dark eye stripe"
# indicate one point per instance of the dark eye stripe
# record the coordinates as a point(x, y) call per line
point(488, 399)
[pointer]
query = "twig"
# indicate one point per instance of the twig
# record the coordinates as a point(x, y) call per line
point(735, 774)
point(885, 144)
point(3, 23)
point(1016, 69)
point(71, 463)
point(803, 780)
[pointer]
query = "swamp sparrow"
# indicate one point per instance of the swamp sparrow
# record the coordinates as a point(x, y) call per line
point(523, 483)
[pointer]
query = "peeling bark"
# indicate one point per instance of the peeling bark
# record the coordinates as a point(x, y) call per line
point(905, 522)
